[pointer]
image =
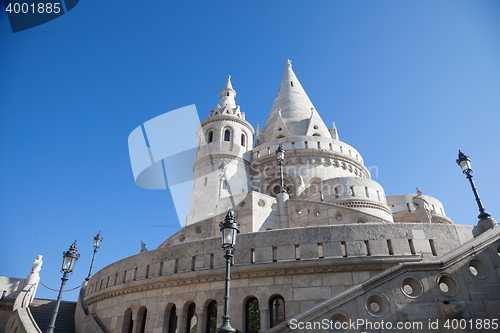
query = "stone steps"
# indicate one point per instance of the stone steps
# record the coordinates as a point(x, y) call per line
point(42, 309)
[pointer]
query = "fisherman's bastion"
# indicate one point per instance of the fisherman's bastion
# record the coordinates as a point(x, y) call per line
point(320, 249)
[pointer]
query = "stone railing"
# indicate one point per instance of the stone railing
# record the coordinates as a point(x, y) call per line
point(373, 285)
point(21, 320)
point(84, 322)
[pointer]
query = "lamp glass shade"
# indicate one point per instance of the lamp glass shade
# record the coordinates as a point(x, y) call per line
point(465, 165)
point(280, 154)
point(97, 240)
point(228, 237)
point(68, 263)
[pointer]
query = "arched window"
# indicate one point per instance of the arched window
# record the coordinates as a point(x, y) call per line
point(172, 320)
point(192, 320)
point(252, 316)
point(210, 136)
point(277, 310)
point(211, 318)
point(143, 314)
point(227, 135)
point(243, 140)
point(128, 323)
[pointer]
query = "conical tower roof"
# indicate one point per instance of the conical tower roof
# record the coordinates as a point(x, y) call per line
point(293, 113)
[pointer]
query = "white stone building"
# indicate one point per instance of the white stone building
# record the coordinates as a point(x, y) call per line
point(332, 249)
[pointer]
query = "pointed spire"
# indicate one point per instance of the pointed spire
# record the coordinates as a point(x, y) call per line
point(295, 109)
point(227, 104)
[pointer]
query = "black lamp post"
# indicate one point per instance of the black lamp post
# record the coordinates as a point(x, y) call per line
point(228, 228)
point(97, 244)
point(280, 154)
point(464, 163)
point(69, 260)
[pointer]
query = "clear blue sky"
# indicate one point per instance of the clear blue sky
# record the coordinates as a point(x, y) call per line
point(407, 82)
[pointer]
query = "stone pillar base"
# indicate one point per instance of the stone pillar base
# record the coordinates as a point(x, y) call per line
point(487, 224)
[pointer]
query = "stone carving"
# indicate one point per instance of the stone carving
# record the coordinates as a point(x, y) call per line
point(143, 248)
point(37, 265)
point(424, 213)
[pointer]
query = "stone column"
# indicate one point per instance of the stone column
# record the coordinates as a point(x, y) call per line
point(181, 323)
point(281, 202)
point(201, 320)
point(135, 322)
point(264, 319)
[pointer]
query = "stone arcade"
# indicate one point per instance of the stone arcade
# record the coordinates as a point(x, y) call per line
point(331, 249)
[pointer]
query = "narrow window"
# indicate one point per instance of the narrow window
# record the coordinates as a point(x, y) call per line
point(442, 212)
point(176, 265)
point(343, 246)
point(268, 150)
point(336, 192)
point(433, 208)
point(124, 276)
point(393, 209)
point(258, 154)
point(116, 279)
point(433, 247)
point(389, 246)
point(147, 271)
point(227, 135)
point(107, 282)
point(350, 153)
point(331, 147)
point(160, 273)
point(408, 207)
point(243, 140)
point(378, 195)
point(319, 145)
point(206, 181)
point(352, 190)
point(306, 144)
point(228, 93)
point(277, 313)
point(368, 251)
point(297, 252)
point(211, 318)
point(210, 136)
point(341, 150)
point(172, 320)
point(275, 253)
point(135, 273)
point(252, 256)
point(211, 260)
point(412, 247)
point(193, 263)
point(192, 320)
point(291, 83)
point(321, 254)
point(252, 316)
point(224, 185)
point(367, 193)
point(100, 287)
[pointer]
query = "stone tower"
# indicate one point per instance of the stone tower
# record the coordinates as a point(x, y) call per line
point(221, 170)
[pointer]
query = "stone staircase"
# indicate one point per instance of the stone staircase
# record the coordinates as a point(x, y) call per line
point(42, 309)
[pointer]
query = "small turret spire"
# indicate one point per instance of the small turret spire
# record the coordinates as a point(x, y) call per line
point(227, 104)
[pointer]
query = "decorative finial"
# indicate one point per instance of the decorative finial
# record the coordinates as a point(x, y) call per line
point(229, 76)
point(288, 63)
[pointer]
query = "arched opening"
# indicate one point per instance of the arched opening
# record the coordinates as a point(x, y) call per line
point(172, 320)
point(128, 323)
point(227, 135)
point(277, 310)
point(228, 93)
point(280, 136)
point(192, 319)
point(210, 136)
point(243, 141)
point(211, 318)
point(143, 314)
point(252, 316)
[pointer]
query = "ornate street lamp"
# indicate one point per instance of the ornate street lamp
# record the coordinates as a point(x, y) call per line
point(69, 260)
point(97, 244)
point(280, 154)
point(222, 173)
point(464, 163)
point(228, 228)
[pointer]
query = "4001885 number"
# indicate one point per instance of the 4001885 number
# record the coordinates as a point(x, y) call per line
point(473, 324)
point(42, 8)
